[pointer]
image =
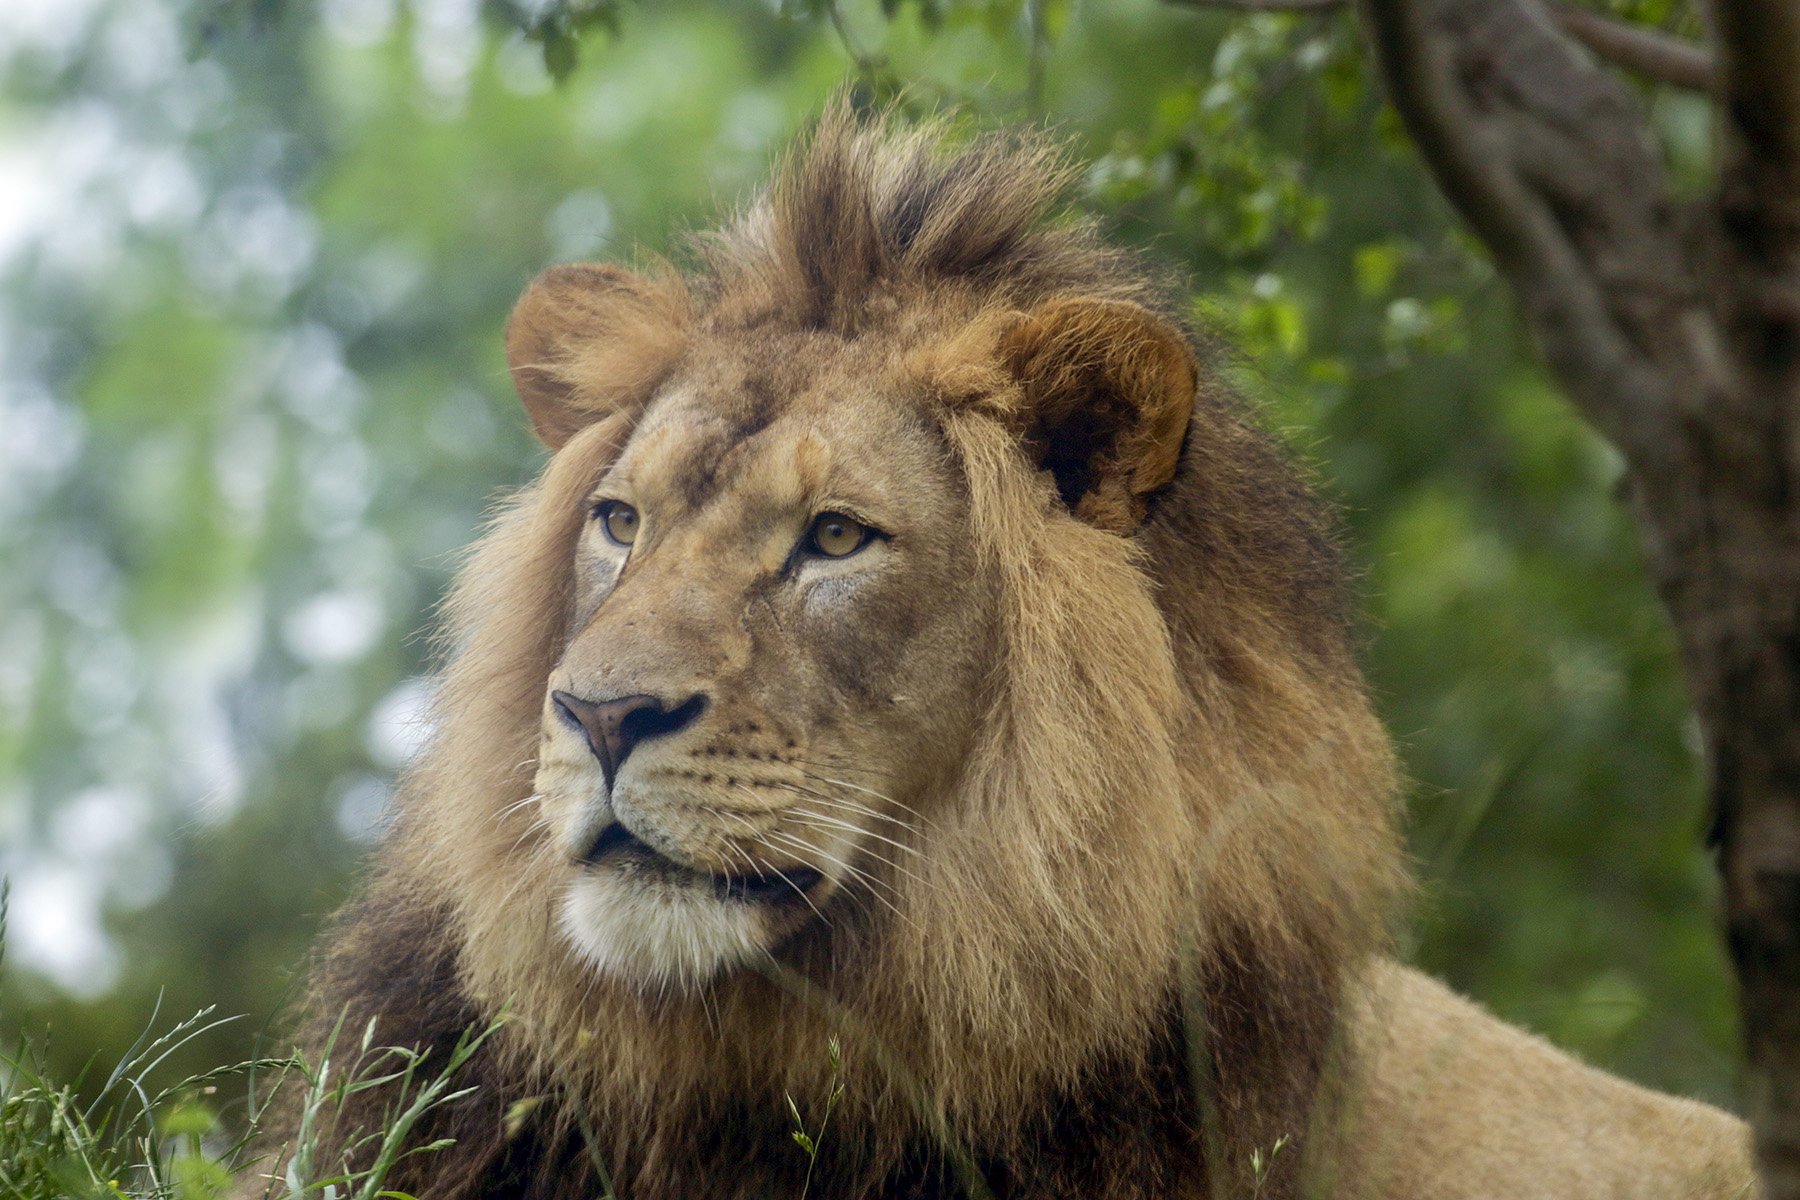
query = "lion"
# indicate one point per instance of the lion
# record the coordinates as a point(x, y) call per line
point(916, 708)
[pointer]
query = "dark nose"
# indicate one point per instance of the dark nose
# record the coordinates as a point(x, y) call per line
point(614, 727)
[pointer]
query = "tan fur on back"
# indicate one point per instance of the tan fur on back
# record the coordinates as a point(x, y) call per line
point(1101, 943)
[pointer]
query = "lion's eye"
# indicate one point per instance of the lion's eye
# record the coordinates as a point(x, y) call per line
point(834, 535)
point(619, 520)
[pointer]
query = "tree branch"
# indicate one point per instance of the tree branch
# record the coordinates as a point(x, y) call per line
point(1621, 43)
point(1636, 48)
point(1546, 157)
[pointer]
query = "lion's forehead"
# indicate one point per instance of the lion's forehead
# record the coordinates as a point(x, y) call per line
point(691, 458)
point(732, 444)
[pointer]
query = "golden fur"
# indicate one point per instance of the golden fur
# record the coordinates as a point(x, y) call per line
point(1077, 748)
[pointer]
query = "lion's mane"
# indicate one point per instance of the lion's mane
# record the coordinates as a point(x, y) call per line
point(1061, 1015)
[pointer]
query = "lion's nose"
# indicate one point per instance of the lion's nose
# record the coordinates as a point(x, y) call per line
point(614, 727)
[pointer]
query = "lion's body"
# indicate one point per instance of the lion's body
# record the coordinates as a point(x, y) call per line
point(1457, 1105)
point(1057, 799)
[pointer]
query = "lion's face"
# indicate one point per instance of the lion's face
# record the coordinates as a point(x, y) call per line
point(779, 635)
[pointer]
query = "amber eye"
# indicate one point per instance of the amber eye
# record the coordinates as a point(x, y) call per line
point(619, 519)
point(834, 535)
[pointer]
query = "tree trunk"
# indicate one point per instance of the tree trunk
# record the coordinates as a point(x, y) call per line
point(1676, 330)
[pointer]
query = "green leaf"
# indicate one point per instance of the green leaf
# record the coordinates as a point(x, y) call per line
point(560, 55)
point(1376, 266)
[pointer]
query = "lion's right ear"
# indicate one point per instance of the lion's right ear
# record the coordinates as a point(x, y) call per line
point(587, 339)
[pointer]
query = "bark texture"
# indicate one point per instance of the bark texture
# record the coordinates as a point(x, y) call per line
point(1676, 329)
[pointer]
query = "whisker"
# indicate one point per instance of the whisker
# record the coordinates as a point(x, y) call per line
point(909, 815)
point(853, 807)
point(859, 787)
point(539, 859)
point(852, 896)
point(887, 862)
point(856, 806)
point(740, 852)
point(780, 875)
point(875, 885)
point(739, 817)
point(520, 840)
point(846, 805)
point(537, 825)
point(714, 806)
point(515, 806)
point(869, 791)
point(807, 847)
point(809, 900)
point(842, 824)
point(733, 846)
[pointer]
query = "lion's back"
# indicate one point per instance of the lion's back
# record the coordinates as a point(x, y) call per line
point(1456, 1103)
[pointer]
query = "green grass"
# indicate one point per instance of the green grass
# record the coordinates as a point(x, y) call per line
point(135, 1139)
point(128, 1139)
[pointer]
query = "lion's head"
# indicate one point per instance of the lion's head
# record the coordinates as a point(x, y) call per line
point(904, 613)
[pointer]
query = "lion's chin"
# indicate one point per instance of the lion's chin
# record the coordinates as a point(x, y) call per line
point(660, 932)
point(640, 917)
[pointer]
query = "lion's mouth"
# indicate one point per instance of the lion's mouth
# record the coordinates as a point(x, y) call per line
point(618, 845)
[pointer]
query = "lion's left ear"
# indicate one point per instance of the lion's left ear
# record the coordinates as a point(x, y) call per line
point(1108, 387)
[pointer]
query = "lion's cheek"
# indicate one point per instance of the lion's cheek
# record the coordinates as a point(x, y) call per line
point(864, 644)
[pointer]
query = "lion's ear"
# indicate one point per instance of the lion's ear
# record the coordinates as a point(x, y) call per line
point(1108, 387)
point(587, 339)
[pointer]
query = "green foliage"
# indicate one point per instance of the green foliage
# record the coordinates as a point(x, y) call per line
point(251, 363)
point(1261, 1165)
point(559, 27)
point(133, 1140)
point(413, 1095)
point(809, 1142)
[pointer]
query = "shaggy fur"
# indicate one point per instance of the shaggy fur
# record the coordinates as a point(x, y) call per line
point(1093, 932)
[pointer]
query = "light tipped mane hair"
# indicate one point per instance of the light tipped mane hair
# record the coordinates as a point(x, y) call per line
point(867, 220)
point(1169, 849)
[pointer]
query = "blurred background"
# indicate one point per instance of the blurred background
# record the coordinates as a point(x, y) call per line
point(255, 257)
